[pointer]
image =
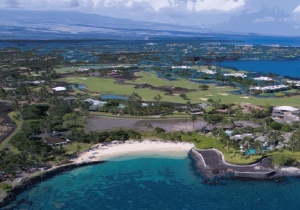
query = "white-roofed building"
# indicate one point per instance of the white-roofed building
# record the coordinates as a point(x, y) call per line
point(263, 78)
point(95, 104)
point(285, 114)
point(59, 88)
point(236, 75)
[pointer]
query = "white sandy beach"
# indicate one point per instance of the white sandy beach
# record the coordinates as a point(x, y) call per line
point(130, 148)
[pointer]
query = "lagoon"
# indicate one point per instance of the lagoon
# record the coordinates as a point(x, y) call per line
point(284, 68)
point(151, 182)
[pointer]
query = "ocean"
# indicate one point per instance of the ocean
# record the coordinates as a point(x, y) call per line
point(289, 68)
point(146, 182)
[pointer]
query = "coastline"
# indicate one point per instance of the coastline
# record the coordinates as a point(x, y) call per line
point(211, 170)
point(212, 165)
point(102, 154)
point(130, 148)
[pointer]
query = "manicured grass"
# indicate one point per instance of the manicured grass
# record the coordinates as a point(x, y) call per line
point(19, 123)
point(240, 159)
point(108, 86)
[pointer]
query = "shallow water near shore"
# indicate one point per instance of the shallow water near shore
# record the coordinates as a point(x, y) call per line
point(154, 183)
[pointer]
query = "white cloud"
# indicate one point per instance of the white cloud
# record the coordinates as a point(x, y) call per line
point(221, 5)
point(156, 5)
point(297, 9)
point(265, 19)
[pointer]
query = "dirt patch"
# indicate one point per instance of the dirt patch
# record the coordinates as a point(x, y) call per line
point(96, 123)
point(168, 89)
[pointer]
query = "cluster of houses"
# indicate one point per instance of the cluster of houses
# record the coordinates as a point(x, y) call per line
point(242, 75)
point(285, 114)
point(292, 82)
point(263, 78)
point(268, 89)
point(54, 139)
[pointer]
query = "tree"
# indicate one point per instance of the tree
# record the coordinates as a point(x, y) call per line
point(258, 147)
point(295, 141)
point(286, 128)
point(157, 98)
point(204, 87)
point(193, 119)
point(183, 96)
point(276, 126)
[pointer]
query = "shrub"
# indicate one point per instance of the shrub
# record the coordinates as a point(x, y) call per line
point(5, 186)
point(276, 126)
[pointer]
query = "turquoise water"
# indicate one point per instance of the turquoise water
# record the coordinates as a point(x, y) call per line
point(154, 183)
point(252, 151)
point(285, 68)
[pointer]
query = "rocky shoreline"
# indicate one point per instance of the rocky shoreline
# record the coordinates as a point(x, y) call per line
point(211, 164)
point(12, 194)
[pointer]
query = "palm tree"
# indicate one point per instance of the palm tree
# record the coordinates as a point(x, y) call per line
point(157, 98)
point(258, 147)
point(193, 119)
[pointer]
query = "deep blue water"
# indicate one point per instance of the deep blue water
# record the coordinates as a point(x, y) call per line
point(285, 68)
point(154, 183)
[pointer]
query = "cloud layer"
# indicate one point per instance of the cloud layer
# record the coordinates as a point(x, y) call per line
point(203, 13)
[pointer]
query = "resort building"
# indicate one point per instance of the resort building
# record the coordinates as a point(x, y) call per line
point(181, 67)
point(55, 141)
point(236, 75)
point(269, 89)
point(95, 104)
point(294, 82)
point(263, 78)
point(207, 71)
point(285, 114)
point(59, 89)
point(241, 137)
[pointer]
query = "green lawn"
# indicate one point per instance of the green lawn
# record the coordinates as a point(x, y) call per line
point(75, 147)
point(233, 156)
point(280, 157)
point(19, 123)
point(108, 86)
point(65, 70)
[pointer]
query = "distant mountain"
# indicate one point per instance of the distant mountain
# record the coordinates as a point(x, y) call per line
point(53, 25)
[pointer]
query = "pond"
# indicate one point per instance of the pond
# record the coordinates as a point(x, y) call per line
point(113, 97)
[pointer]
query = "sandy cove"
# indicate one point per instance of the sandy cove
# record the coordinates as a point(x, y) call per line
point(129, 148)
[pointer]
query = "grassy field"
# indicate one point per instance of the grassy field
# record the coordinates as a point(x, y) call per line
point(19, 123)
point(280, 157)
point(108, 86)
point(77, 147)
point(65, 70)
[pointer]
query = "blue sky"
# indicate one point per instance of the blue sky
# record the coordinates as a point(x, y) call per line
point(258, 16)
